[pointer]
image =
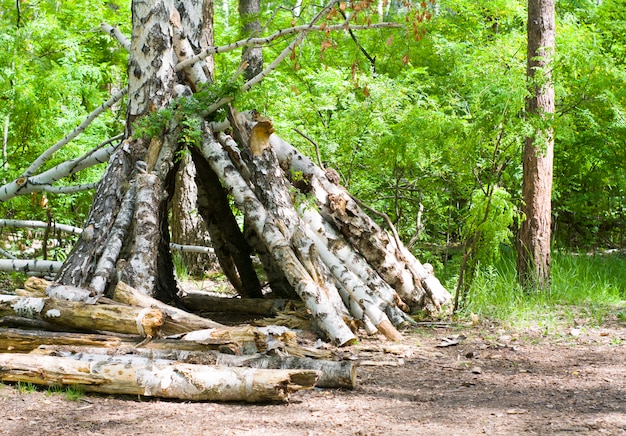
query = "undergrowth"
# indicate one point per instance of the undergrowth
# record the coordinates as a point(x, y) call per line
point(585, 290)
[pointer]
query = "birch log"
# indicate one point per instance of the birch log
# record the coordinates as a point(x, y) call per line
point(266, 227)
point(177, 317)
point(88, 317)
point(166, 379)
point(333, 374)
point(23, 341)
point(404, 273)
point(140, 269)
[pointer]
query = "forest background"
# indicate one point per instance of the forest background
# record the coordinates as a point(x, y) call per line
point(425, 124)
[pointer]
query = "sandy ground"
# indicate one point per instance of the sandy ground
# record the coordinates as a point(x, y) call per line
point(493, 382)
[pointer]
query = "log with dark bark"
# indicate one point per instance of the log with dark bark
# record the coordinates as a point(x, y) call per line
point(202, 302)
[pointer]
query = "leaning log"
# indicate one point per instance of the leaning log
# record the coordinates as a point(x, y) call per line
point(268, 228)
point(166, 378)
point(395, 264)
point(178, 320)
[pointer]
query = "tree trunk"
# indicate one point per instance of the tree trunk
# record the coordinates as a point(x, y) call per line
point(249, 11)
point(533, 264)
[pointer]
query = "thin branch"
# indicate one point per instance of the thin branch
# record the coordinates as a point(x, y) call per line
point(192, 248)
point(74, 133)
point(372, 60)
point(69, 189)
point(48, 266)
point(7, 254)
point(317, 147)
point(33, 224)
point(116, 34)
point(281, 33)
point(41, 182)
point(382, 215)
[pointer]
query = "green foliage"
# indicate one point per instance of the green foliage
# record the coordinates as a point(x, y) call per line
point(55, 68)
point(185, 111)
point(26, 388)
point(488, 222)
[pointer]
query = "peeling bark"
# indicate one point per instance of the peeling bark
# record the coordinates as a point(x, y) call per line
point(323, 311)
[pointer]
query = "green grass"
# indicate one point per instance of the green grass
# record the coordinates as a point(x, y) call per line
point(584, 289)
point(180, 269)
point(70, 392)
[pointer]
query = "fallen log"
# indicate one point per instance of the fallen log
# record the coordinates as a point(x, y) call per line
point(166, 378)
point(178, 319)
point(200, 301)
point(116, 318)
point(333, 374)
point(24, 341)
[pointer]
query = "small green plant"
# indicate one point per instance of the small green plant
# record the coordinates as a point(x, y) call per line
point(182, 273)
point(70, 392)
point(26, 388)
point(74, 392)
point(486, 229)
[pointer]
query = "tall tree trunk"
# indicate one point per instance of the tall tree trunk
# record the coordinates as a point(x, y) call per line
point(249, 11)
point(533, 264)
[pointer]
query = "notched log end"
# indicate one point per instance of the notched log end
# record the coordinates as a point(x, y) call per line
point(260, 136)
point(150, 321)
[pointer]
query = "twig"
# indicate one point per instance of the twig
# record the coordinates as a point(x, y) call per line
point(317, 147)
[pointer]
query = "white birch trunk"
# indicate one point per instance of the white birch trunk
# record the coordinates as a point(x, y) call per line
point(151, 62)
point(113, 244)
point(324, 313)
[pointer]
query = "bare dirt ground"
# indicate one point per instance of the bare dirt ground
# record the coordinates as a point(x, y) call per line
point(493, 382)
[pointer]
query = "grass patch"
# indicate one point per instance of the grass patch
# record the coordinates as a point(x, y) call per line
point(584, 289)
point(180, 269)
